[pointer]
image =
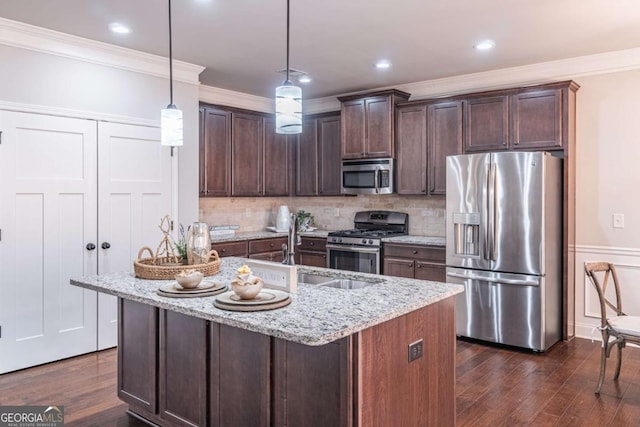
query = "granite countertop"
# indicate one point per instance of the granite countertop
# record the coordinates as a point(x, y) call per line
point(264, 234)
point(317, 315)
point(416, 240)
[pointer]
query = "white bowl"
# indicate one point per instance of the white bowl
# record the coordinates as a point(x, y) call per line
point(189, 280)
point(247, 290)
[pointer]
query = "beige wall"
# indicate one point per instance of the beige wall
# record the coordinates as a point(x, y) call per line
point(45, 80)
point(608, 159)
point(426, 214)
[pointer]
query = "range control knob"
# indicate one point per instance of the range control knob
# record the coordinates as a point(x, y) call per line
point(364, 241)
point(370, 242)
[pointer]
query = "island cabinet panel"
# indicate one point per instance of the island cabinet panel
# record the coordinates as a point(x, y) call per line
point(391, 390)
point(486, 123)
point(137, 354)
point(536, 119)
point(239, 377)
point(313, 384)
point(183, 369)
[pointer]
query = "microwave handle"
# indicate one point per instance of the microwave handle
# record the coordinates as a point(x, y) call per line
point(376, 178)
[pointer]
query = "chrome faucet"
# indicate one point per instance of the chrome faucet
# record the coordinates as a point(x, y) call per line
point(293, 240)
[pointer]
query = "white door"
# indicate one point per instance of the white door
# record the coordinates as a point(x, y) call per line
point(47, 219)
point(134, 193)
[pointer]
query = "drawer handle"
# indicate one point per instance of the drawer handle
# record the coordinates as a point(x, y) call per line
point(415, 252)
point(311, 244)
point(223, 250)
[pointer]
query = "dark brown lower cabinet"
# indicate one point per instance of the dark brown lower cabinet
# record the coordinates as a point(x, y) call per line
point(313, 385)
point(177, 370)
point(312, 251)
point(183, 369)
point(414, 261)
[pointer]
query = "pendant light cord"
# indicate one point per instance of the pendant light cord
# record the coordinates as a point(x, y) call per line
point(171, 59)
point(287, 40)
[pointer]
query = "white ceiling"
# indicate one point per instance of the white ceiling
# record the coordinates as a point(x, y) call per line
point(242, 42)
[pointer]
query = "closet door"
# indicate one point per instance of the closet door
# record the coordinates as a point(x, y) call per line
point(134, 193)
point(48, 219)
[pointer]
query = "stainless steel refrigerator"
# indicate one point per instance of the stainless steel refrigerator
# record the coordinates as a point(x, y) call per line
point(504, 245)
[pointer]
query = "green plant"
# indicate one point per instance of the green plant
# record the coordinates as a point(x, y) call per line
point(304, 219)
point(181, 244)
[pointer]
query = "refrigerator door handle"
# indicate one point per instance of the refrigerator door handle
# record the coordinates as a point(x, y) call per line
point(491, 229)
point(485, 219)
point(494, 279)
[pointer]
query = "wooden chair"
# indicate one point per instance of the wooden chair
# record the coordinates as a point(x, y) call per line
point(619, 326)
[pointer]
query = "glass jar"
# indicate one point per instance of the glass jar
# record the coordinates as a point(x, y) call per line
point(198, 243)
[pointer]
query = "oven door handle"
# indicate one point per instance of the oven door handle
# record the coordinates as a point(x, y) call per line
point(353, 249)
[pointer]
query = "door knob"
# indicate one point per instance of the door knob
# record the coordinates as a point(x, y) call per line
point(105, 245)
point(90, 246)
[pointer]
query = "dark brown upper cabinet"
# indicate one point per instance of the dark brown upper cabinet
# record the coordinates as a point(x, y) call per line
point(277, 157)
point(318, 156)
point(536, 119)
point(444, 139)
point(215, 152)
point(486, 123)
point(246, 158)
point(368, 124)
point(242, 155)
point(426, 134)
point(411, 146)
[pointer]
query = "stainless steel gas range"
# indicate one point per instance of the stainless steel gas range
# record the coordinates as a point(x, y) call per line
point(359, 249)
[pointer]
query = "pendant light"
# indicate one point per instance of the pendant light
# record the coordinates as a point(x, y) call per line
point(171, 117)
point(288, 101)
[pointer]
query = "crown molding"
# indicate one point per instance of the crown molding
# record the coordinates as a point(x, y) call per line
point(77, 114)
point(25, 36)
point(543, 72)
point(230, 98)
point(321, 105)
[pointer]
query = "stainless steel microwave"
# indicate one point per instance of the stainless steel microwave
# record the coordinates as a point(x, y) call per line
point(371, 176)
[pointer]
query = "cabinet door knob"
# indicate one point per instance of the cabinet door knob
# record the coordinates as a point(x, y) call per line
point(90, 246)
point(105, 245)
point(415, 252)
point(418, 266)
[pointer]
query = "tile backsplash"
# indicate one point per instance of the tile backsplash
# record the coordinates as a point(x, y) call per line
point(426, 214)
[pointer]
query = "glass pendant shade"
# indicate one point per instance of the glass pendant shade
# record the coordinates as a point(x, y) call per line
point(171, 126)
point(288, 109)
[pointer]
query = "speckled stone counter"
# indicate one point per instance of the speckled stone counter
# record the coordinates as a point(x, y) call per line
point(416, 240)
point(317, 315)
point(264, 234)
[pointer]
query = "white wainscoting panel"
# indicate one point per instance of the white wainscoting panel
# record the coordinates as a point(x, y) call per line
point(627, 262)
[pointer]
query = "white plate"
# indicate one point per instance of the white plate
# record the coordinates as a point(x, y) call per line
point(204, 286)
point(266, 296)
point(275, 230)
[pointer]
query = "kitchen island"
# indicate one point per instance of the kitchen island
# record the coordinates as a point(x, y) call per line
point(333, 357)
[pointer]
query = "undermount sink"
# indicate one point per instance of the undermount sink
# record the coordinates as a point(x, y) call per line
point(332, 282)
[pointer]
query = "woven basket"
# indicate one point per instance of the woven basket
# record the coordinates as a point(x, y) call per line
point(164, 268)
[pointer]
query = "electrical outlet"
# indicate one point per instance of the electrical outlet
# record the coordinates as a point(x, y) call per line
point(618, 220)
point(415, 350)
point(336, 213)
point(247, 212)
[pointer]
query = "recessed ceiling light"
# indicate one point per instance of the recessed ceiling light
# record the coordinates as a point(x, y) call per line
point(383, 64)
point(304, 79)
point(485, 45)
point(118, 28)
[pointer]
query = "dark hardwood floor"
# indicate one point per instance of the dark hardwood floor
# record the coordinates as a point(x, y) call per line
point(495, 387)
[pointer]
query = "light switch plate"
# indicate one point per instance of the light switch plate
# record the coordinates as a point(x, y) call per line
point(618, 220)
